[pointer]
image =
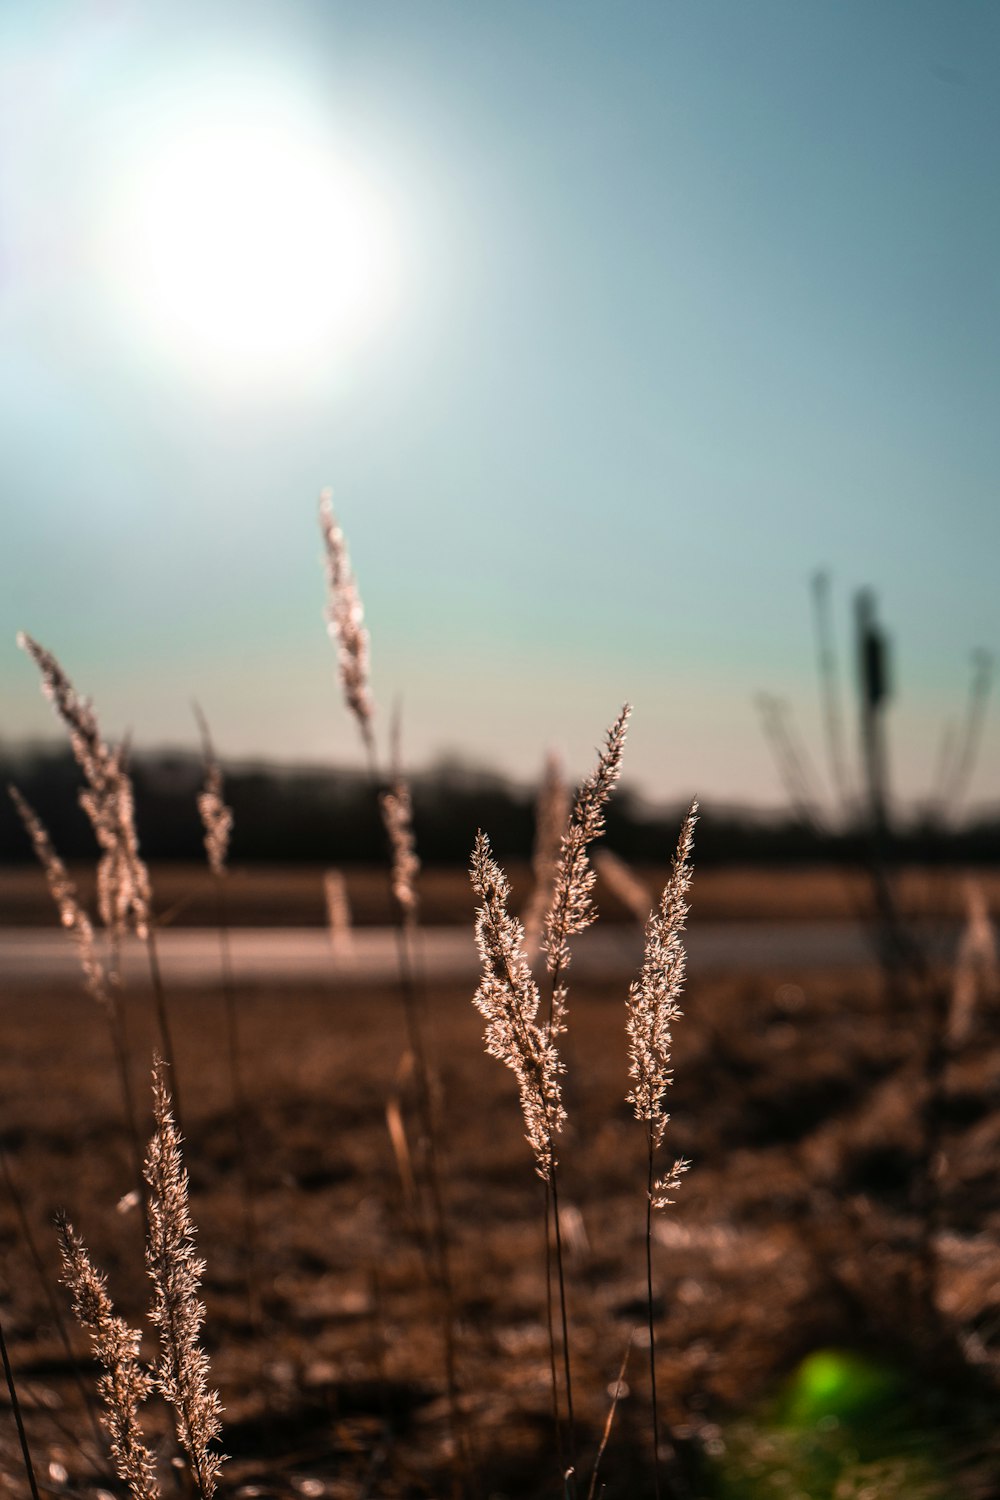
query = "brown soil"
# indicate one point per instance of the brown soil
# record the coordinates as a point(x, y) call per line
point(293, 895)
point(796, 1228)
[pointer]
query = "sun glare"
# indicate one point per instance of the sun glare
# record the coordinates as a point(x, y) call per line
point(245, 243)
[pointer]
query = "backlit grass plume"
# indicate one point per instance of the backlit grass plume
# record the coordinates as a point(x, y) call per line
point(508, 998)
point(571, 910)
point(124, 1384)
point(652, 1008)
point(345, 622)
point(653, 998)
point(397, 818)
point(71, 914)
point(123, 889)
point(100, 983)
point(182, 1370)
point(216, 817)
point(124, 893)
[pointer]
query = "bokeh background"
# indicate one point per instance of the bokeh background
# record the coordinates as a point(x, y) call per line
point(608, 324)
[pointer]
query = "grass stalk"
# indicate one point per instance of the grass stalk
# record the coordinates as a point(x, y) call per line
point(15, 1405)
point(123, 1067)
point(609, 1423)
point(439, 1264)
point(34, 1255)
point(241, 1111)
point(163, 1026)
point(102, 981)
point(435, 1246)
point(550, 1322)
point(651, 1009)
point(649, 1311)
point(564, 1319)
point(345, 620)
point(183, 1368)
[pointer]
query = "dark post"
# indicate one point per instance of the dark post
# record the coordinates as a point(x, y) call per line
point(896, 949)
point(873, 684)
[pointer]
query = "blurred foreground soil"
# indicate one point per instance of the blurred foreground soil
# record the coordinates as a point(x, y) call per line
point(796, 1228)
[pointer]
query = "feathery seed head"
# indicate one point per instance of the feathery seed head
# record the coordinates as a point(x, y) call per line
point(338, 907)
point(508, 999)
point(653, 998)
point(571, 910)
point(345, 621)
point(71, 914)
point(123, 889)
point(182, 1371)
point(216, 817)
point(397, 817)
point(123, 1384)
point(89, 749)
point(665, 1187)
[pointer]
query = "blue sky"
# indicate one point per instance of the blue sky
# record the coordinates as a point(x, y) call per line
point(689, 300)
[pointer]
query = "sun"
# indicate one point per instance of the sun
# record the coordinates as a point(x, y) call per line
point(244, 241)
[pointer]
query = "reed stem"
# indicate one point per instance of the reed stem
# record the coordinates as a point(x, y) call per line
point(15, 1404)
point(649, 1311)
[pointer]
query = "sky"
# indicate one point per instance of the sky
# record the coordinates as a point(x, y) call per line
point(607, 324)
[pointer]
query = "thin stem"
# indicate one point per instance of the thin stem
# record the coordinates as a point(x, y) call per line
point(240, 1110)
point(50, 1297)
point(550, 1319)
point(552, 1187)
point(570, 1419)
point(649, 1311)
point(439, 1274)
point(163, 1023)
point(663, 1436)
point(119, 1044)
point(439, 1233)
point(619, 1383)
point(16, 1408)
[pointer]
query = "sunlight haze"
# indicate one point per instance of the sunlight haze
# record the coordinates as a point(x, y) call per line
point(607, 324)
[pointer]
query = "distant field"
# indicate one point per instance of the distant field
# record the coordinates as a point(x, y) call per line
point(293, 895)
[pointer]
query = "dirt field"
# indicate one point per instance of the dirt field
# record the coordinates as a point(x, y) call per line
point(796, 1230)
point(293, 896)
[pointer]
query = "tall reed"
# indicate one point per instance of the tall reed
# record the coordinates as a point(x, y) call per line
point(572, 911)
point(102, 984)
point(345, 623)
point(124, 892)
point(509, 999)
point(15, 1406)
point(182, 1370)
point(124, 1384)
point(217, 824)
point(652, 1008)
